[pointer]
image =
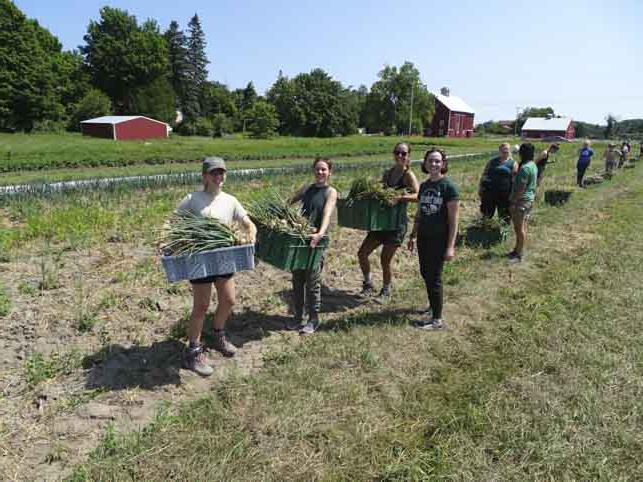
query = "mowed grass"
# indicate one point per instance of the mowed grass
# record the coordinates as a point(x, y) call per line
point(545, 385)
point(24, 152)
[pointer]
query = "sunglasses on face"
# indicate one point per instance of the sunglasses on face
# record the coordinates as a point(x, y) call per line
point(400, 153)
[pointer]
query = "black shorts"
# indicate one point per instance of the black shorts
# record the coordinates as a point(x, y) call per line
point(395, 238)
point(211, 279)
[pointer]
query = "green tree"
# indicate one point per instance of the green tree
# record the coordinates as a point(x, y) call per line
point(178, 60)
point(396, 97)
point(155, 100)
point(221, 125)
point(263, 120)
point(196, 72)
point(94, 104)
point(217, 99)
point(34, 72)
point(313, 104)
point(122, 57)
point(612, 126)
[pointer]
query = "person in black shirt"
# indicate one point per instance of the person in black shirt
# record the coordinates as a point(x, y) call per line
point(401, 178)
point(318, 201)
point(436, 227)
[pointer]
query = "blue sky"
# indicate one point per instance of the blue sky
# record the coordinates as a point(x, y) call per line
point(581, 57)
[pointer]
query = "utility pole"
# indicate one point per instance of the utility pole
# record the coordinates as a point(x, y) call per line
point(516, 122)
point(411, 110)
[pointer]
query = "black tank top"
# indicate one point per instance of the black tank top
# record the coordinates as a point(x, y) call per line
point(398, 186)
point(313, 202)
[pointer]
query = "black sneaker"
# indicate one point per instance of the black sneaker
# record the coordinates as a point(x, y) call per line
point(515, 257)
point(512, 254)
point(368, 289)
point(383, 297)
point(294, 323)
point(430, 324)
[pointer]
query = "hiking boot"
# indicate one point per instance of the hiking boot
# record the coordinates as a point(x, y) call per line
point(368, 289)
point(430, 325)
point(222, 343)
point(310, 327)
point(383, 297)
point(196, 361)
point(511, 254)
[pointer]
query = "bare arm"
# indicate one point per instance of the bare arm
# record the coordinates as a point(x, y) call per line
point(298, 195)
point(329, 207)
point(250, 228)
point(453, 214)
point(412, 184)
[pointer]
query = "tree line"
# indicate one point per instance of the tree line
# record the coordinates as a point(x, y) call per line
point(126, 67)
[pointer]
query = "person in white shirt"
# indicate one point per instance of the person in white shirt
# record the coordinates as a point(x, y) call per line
point(213, 202)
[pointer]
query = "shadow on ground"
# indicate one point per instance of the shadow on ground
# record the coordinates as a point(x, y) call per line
point(115, 367)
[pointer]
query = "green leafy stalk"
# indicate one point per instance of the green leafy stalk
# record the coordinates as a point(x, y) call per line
point(274, 213)
point(189, 233)
point(367, 188)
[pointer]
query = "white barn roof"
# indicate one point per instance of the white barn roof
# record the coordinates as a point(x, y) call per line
point(454, 103)
point(544, 124)
point(117, 119)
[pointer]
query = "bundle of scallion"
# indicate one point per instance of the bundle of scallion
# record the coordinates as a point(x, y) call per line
point(368, 188)
point(273, 212)
point(188, 233)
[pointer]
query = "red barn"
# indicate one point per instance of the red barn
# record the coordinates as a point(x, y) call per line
point(125, 127)
point(540, 127)
point(452, 118)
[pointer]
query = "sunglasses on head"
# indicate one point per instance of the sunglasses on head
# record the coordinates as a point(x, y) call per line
point(400, 153)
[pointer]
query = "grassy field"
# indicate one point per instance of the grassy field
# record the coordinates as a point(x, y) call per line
point(92, 331)
point(23, 152)
point(544, 382)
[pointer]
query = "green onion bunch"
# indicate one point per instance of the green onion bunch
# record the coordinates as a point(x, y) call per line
point(188, 233)
point(274, 213)
point(368, 188)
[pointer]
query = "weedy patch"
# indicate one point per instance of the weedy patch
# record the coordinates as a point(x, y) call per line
point(38, 368)
point(5, 302)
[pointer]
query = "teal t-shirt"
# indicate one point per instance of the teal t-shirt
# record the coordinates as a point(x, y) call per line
point(527, 176)
point(432, 207)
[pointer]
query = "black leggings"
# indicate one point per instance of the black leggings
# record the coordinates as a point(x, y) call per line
point(431, 252)
point(581, 168)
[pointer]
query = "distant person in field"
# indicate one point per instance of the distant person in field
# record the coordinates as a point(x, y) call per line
point(214, 203)
point(401, 178)
point(611, 156)
point(625, 150)
point(318, 202)
point(522, 199)
point(435, 227)
point(544, 158)
point(495, 184)
point(585, 154)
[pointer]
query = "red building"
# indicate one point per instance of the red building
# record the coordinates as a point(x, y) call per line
point(125, 127)
point(540, 127)
point(453, 116)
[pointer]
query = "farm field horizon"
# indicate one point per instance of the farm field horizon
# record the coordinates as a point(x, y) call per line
point(93, 380)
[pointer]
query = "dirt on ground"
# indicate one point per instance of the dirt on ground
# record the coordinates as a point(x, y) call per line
point(95, 338)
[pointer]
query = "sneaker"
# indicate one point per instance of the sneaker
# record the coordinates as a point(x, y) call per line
point(222, 343)
point(368, 289)
point(309, 328)
point(196, 361)
point(511, 254)
point(430, 325)
point(294, 324)
point(515, 258)
point(383, 297)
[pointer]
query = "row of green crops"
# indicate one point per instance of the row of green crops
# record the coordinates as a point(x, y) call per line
point(52, 151)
